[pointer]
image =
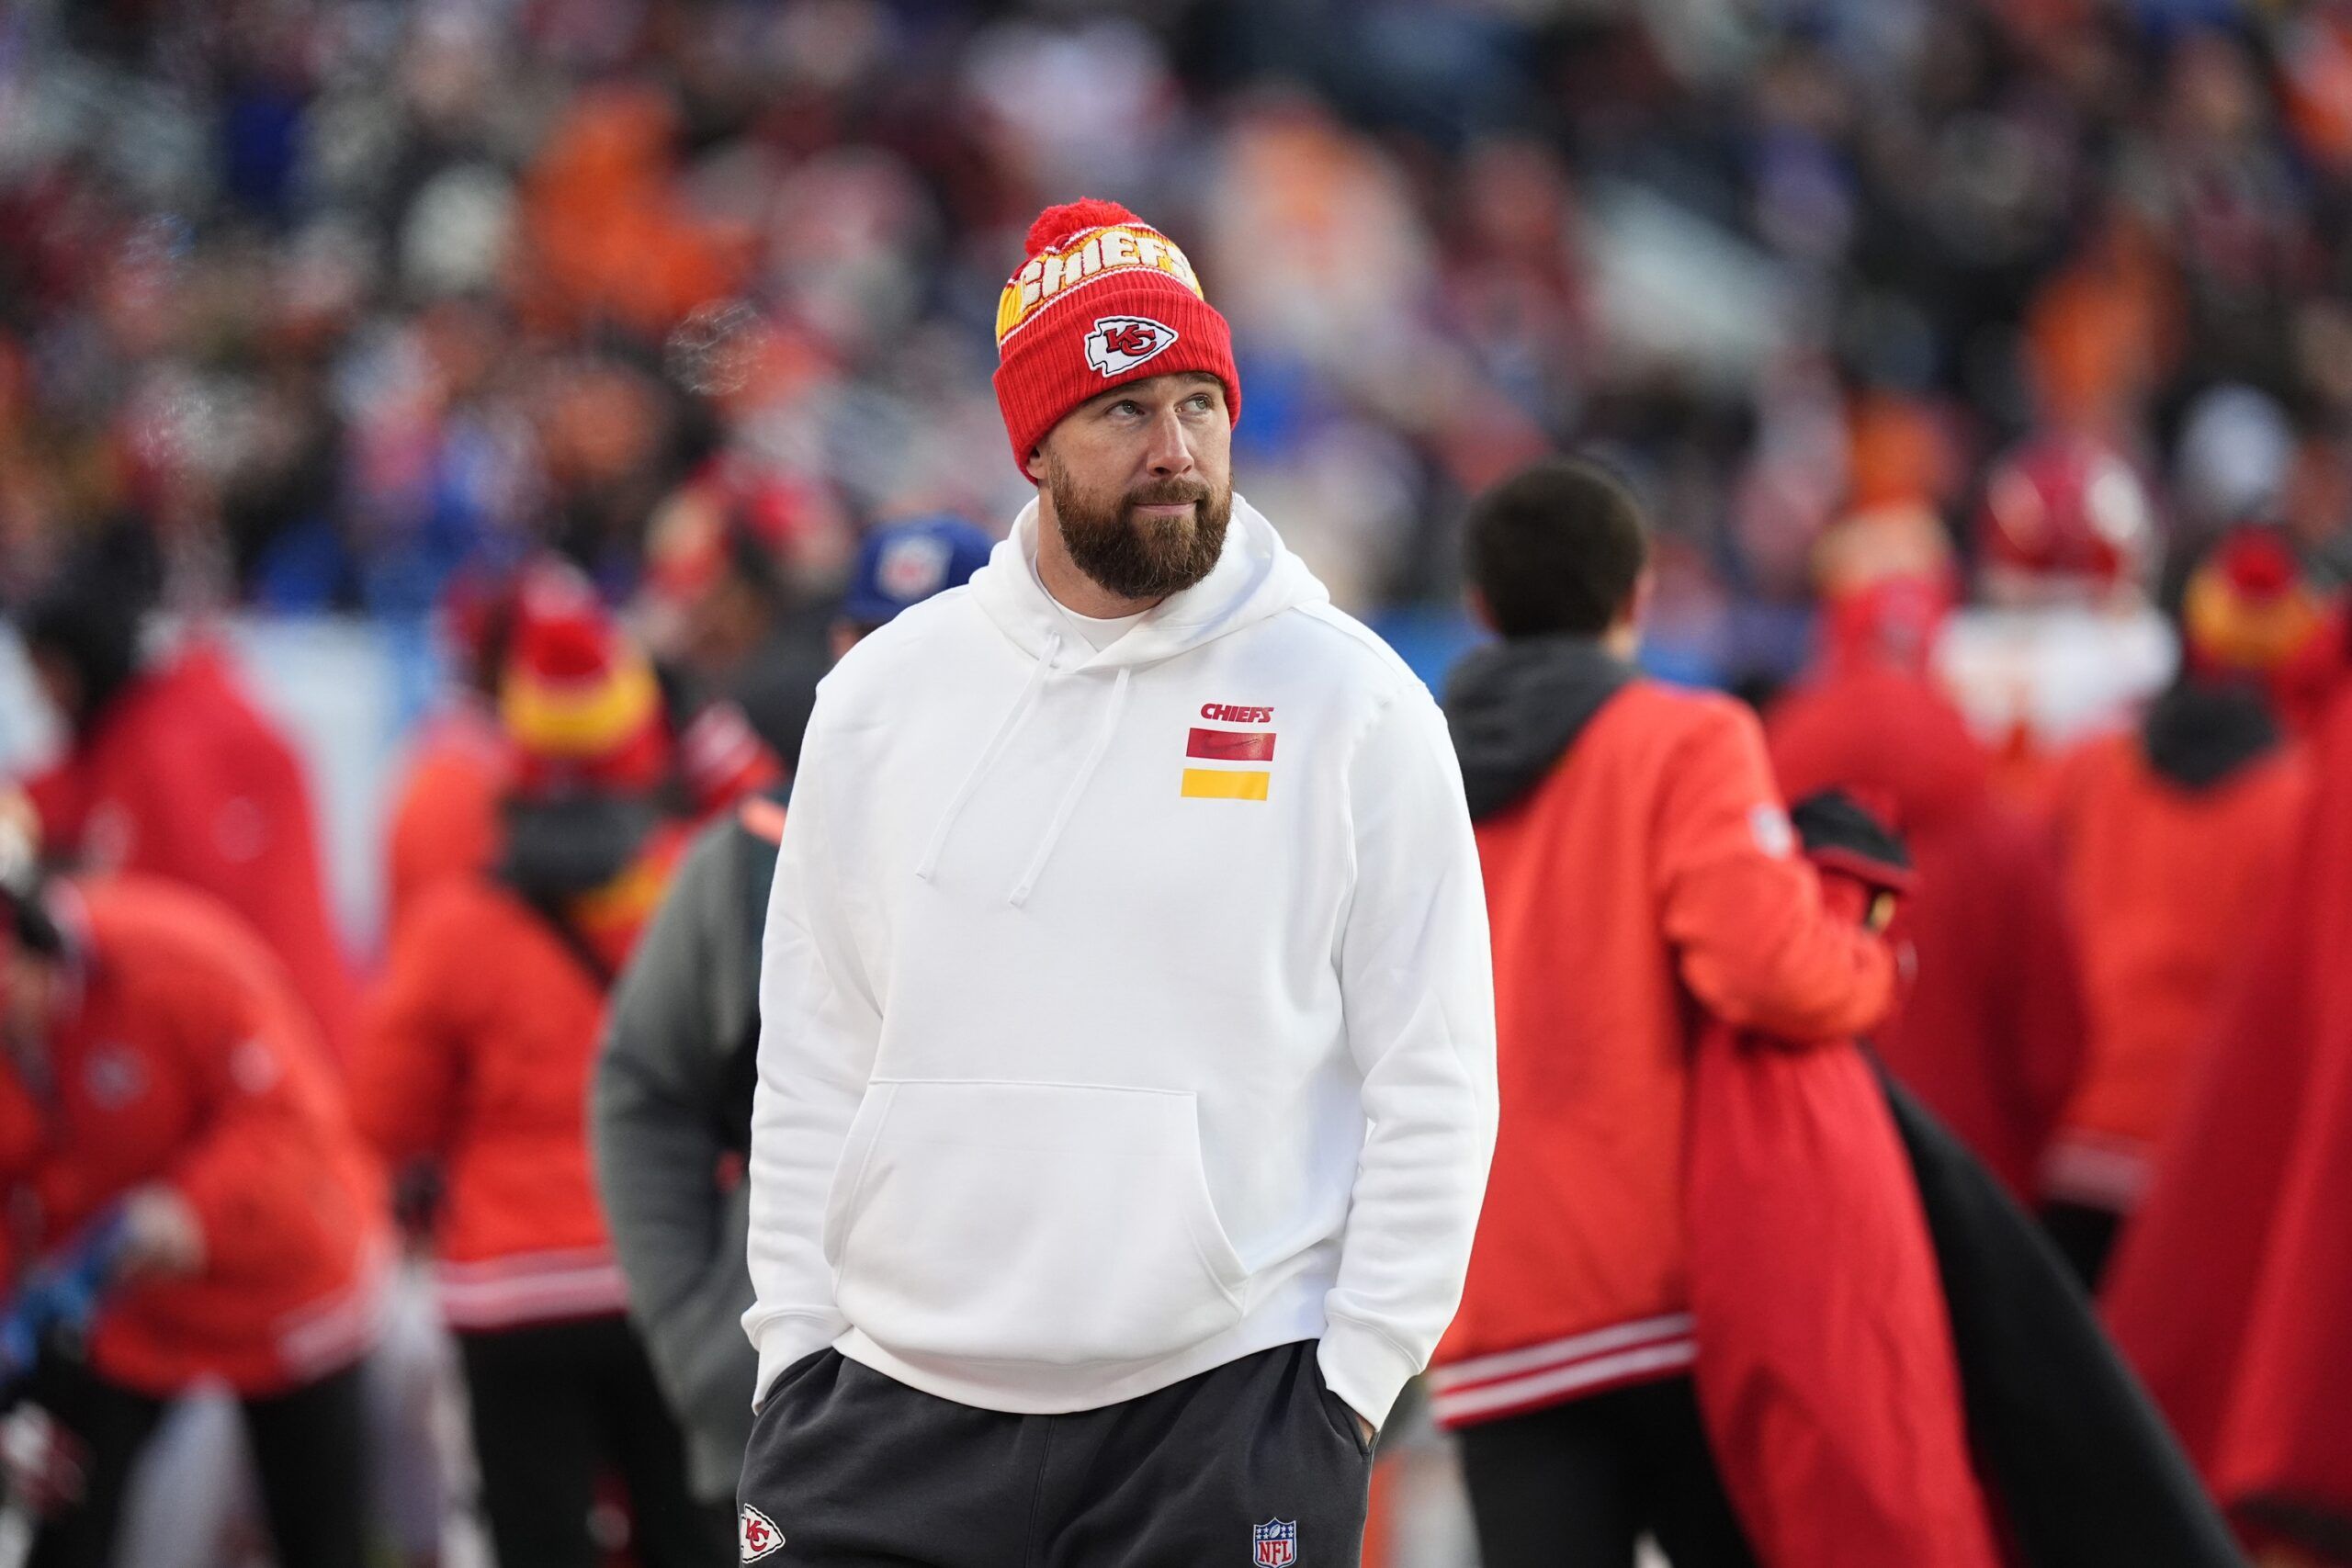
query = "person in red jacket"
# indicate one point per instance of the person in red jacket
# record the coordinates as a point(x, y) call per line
point(2231, 1287)
point(171, 770)
point(475, 1054)
point(445, 817)
point(1990, 1033)
point(2176, 836)
point(1641, 872)
point(165, 1096)
point(443, 825)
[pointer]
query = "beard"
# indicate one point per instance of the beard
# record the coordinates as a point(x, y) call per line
point(1141, 558)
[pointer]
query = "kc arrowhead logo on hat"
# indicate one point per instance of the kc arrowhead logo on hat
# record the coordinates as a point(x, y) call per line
point(1119, 343)
point(1095, 261)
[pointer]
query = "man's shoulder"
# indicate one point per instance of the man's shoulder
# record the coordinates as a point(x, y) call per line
point(1660, 711)
point(879, 663)
point(1354, 654)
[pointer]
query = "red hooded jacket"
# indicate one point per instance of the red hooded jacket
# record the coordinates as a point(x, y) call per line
point(475, 1051)
point(1639, 869)
point(2167, 872)
point(1991, 1033)
point(181, 777)
point(445, 814)
point(2231, 1288)
point(180, 1054)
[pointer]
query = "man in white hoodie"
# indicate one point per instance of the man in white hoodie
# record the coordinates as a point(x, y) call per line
point(1127, 1074)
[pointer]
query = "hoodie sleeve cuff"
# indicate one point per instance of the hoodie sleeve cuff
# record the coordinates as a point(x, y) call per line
point(1365, 1368)
point(783, 1339)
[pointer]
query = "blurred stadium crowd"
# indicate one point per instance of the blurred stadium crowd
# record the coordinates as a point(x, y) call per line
point(339, 297)
point(363, 310)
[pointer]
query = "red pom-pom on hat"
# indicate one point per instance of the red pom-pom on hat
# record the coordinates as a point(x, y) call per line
point(1057, 223)
point(2259, 565)
point(1076, 319)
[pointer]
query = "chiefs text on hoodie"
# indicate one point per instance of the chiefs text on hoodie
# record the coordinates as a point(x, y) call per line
point(1156, 1028)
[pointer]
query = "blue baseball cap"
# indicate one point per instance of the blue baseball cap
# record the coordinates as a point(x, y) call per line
point(905, 563)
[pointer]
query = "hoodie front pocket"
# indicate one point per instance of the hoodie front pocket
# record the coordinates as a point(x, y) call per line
point(1047, 1222)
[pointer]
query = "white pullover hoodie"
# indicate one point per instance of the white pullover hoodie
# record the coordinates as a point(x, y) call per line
point(1123, 1012)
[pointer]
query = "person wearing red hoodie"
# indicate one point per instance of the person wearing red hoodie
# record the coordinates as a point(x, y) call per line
point(169, 1123)
point(475, 1054)
point(443, 825)
point(2176, 836)
point(2231, 1287)
point(172, 771)
point(1990, 1033)
point(1640, 874)
point(445, 817)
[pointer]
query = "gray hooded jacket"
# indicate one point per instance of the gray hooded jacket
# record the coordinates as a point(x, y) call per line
point(673, 1100)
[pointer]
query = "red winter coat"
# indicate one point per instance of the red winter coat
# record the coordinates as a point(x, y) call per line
point(475, 1051)
point(2231, 1289)
point(180, 777)
point(2166, 881)
point(1991, 1033)
point(181, 1055)
point(1650, 873)
point(445, 816)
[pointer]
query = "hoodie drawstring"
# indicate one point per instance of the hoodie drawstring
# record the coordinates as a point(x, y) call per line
point(1069, 807)
point(926, 867)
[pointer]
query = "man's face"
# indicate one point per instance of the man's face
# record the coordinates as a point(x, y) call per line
point(1140, 482)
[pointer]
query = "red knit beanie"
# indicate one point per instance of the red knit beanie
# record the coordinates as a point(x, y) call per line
point(579, 700)
point(1102, 299)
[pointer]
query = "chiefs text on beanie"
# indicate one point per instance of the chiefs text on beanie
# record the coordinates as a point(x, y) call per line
point(1100, 300)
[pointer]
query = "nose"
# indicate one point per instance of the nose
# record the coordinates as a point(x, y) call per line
point(1169, 453)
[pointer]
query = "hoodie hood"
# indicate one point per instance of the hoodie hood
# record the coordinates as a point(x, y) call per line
point(1256, 577)
point(2200, 734)
point(1516, 707)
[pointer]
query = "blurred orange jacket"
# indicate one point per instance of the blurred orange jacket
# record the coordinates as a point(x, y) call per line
point(475, 1051)
point(1650, 880)
point(2166, 882)
point(181, 1055)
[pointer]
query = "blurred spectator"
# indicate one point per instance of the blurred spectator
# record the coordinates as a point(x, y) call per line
point(2176, 836)
point(169, 770)
point(482, 1067)
point(672, 1109)
point(443, 821)
point(719, 606)
point(165, 1098)
point(1990, 1034)
point(1631, 837)
point(368, 289)
point(2067, 642)
point(2230, 1279)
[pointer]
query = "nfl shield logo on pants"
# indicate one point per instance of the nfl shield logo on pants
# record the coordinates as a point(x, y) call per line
point(1277, 1542)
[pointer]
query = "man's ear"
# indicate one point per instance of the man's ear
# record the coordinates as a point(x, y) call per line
point(1036, 464)
point(1638, 613)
